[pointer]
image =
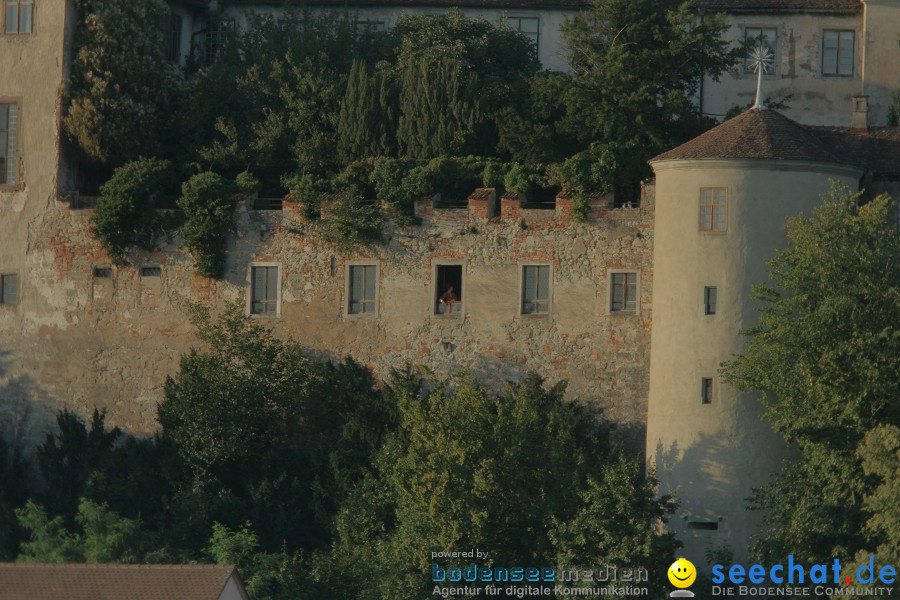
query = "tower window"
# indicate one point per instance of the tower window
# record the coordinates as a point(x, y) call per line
point(19, 16)
point(713, 209)
point(706, 390)
point(9, 119)
point(710, 295)
point(703, 525)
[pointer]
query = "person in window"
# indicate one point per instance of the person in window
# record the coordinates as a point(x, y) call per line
point(448, 298)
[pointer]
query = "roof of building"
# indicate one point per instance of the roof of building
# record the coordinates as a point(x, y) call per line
point(755, 133)
point(32, 581)
point(877, 150)
point(848, 6)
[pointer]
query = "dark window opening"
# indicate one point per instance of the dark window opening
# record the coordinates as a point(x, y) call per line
point(706, 390)
point(151, 271)
point(703, 525)
point(710, 296)
point(9, 289)
point(448, 290)
point(102, 272)
point(362, 290)
point(172, 39)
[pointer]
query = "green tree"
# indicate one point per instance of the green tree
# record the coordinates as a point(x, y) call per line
point(825, 356)
point(637, 65)
point(13, 494)
point(255, 422)
point(521, 473)
point(125, 215)
point(440, 111)
point(367, 120)
point(121, 88)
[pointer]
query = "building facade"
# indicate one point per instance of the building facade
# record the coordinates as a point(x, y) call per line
point(534, 290)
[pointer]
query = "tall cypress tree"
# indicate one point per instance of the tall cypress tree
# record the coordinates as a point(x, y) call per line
point(439, 109)
point(366, 124)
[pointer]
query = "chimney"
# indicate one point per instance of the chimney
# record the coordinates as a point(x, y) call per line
point(859, 120)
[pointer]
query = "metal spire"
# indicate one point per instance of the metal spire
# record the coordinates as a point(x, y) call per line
point(761, 57)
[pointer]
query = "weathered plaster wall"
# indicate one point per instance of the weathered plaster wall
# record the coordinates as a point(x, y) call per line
point(817, 99)
point(111, 343)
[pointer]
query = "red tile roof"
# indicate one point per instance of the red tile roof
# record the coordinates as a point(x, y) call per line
point(25, 581)
point(876, 150)
point(763, 134)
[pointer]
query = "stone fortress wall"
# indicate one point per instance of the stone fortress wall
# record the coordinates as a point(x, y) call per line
point(83, 336)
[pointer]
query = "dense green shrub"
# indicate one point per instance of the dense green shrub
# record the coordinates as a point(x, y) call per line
point(368, 117)
point(524, 178)
point(124, 215)
point(208, 204)
point(588, 172)
point(246, 182)
point(400, 182)
point(350, 221)
point(494, 173)
point(455, 177)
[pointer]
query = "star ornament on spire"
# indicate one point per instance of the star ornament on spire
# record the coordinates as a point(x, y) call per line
point(761, 58)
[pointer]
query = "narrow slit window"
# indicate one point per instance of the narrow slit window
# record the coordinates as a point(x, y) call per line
point(710, 296)
point(362, 290)
point(264, 290)
point(706, 390)
point(713, 209)
point(703, 525)
point(535, 289)
point(448, 290)
point(623, 296)
point(9, 288)
point(9, 119)
point(151, 271)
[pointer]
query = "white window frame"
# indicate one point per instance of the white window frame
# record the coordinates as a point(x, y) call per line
point(772, 69)
point(712, 215)
point(609, 292)
point(278, 293)
point(434, 289)
point(837, 57)
point(550, 276)
point(18, 277)
point(347, 282)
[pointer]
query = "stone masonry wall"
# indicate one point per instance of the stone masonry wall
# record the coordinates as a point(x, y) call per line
point(82, 341)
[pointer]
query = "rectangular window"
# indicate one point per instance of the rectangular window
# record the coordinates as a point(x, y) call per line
point(761, 37)
point(703, 525)
point(713, 209)
point(172, 50)
point(9, 121)
point(710, 295)
point(527, 26)
point(215, 36)
point(102, 272)
point(151, 271)
point(623, 295)
point(837, 52)
point(448, 290)
point(706, 390)
point(264, 290)
point(362, 290)
point(535, 289)
point(19, 15)
point(9, 288)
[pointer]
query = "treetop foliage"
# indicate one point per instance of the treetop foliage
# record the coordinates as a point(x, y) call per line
point(825, 354)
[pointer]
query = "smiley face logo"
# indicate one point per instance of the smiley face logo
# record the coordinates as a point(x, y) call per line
point(682, 573)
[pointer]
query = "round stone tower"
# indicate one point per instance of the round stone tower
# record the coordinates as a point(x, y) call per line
point(721, 203)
